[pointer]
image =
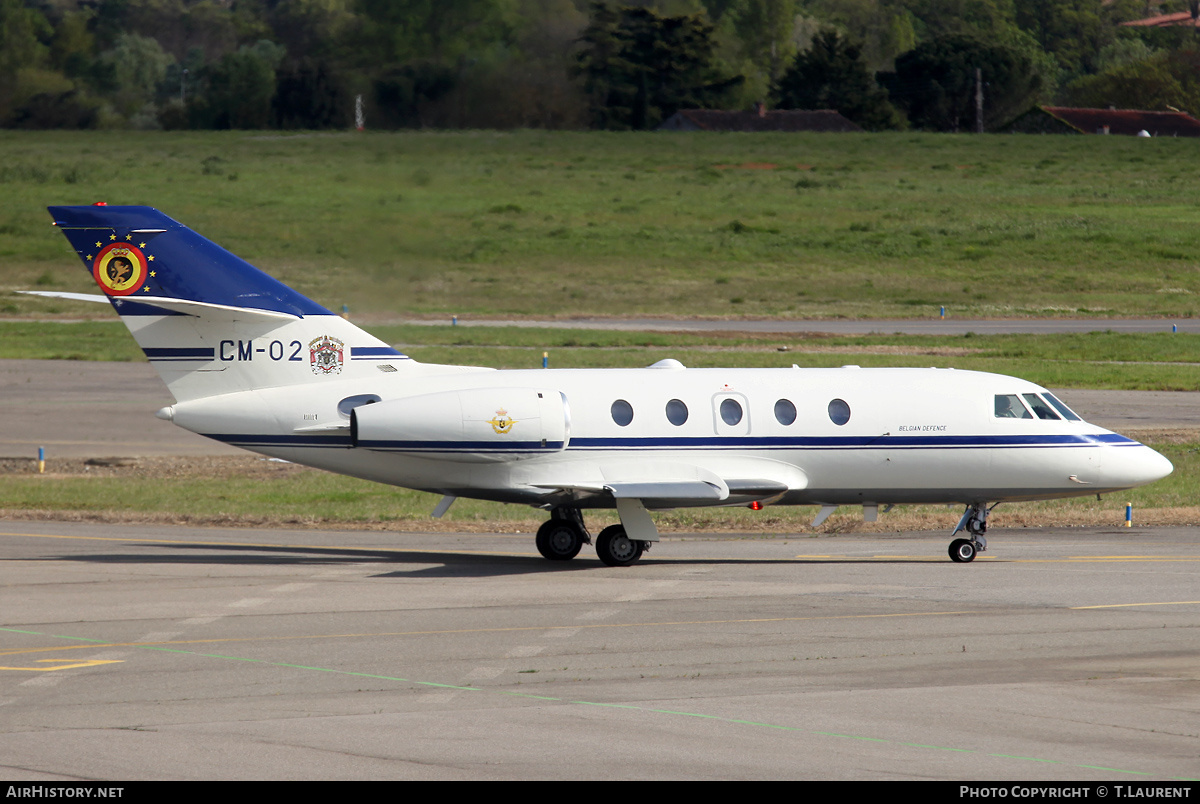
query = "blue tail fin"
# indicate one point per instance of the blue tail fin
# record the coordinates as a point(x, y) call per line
point(209, 321)
point(138, 252)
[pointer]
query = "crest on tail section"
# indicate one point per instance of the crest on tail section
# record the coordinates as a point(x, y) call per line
point(120, 269)
point(210, 322)
point(140, 252)
point(325, 354)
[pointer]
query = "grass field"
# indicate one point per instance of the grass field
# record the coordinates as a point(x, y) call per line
point(1159, 362)
point(558, 224)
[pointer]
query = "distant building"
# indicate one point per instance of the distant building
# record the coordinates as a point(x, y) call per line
point(758, 120)
point(1127, 122)
point(1165, 21)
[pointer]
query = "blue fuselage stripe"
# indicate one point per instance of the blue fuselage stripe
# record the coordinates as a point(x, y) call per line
point(184, 353)
point(712, 442)
point(373, 353)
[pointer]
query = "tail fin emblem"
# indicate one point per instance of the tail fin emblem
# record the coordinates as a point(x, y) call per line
point(325, 355)
point(119, 269)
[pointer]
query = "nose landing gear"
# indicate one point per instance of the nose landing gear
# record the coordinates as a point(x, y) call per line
point(974, 522)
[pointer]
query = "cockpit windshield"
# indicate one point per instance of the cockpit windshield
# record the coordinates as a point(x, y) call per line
point(1040, 408)
point(1067, 413)
point(1043, 406)
point(1008, 406)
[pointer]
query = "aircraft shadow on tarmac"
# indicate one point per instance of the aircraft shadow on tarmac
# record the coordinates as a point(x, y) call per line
point(448, 564)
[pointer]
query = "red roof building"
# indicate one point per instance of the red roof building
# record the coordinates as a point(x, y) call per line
point(1128, 122)
point(1165, 21)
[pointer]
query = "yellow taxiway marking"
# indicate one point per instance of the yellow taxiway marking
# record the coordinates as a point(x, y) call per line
point(1128, 605)
point(72, 665)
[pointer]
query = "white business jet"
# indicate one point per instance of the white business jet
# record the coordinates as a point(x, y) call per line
point(255, 364)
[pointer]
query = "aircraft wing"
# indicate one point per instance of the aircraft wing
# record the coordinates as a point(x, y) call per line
point(660, 484)
point(648, 489)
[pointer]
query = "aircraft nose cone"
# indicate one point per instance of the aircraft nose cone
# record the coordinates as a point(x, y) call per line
point(1137, 466)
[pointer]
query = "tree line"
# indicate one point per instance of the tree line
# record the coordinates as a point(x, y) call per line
point(300, 64)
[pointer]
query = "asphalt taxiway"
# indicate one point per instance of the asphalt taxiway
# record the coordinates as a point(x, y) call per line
point(172, 653)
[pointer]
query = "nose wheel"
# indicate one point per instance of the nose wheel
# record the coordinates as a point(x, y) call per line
point(962, 551)
point(974, 522)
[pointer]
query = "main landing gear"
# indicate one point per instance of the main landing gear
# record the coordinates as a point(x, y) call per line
point(974, 522)
point(616, 549)
point(562, 537)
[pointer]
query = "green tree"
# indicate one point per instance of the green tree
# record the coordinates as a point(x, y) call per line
point(935, 83)
point(640, 68)
point(764, 30)
point(21, 48)
point(72, 49)
point(216, 27)
point(440, 31)
point(525, 83)
point(832, 74)
point(885, 28)
point(135, 66)
point(308, 95)
point(602, 70)
point(313, 29)
point(35, 92)
point(1073, 31)
point(1163, 82)
point(415, 52)
point(239, 89)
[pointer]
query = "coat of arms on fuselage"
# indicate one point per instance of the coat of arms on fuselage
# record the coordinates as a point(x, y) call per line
point(325, 355)
point(502, 422)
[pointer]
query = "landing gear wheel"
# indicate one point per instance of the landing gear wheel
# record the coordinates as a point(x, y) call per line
point(962, 551)
point(616, 549)
point(558, 540)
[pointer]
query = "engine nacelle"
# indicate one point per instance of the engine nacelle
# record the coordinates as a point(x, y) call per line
point(476, 425)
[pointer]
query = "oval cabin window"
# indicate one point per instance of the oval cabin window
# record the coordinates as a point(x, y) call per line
point(839, 412)
point(785, 411)
point(731, 411)
point(622, 412)
point(677, 412)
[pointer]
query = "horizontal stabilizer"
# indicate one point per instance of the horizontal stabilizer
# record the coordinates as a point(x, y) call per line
point(56, 294)
point(217, 312)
